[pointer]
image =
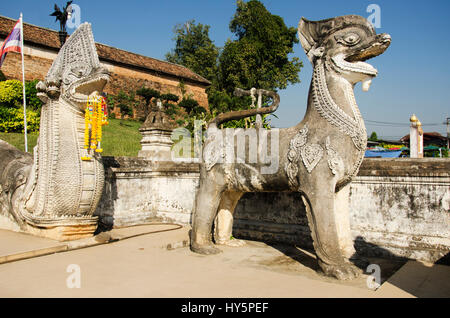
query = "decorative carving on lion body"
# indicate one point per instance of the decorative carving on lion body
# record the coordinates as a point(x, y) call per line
point(56, 193)
point(318, 157)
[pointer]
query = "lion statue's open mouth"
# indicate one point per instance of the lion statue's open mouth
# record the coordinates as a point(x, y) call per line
point(93, 84)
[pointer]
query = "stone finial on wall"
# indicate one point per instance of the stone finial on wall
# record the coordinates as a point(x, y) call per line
point(156, 133)
point(415, 138)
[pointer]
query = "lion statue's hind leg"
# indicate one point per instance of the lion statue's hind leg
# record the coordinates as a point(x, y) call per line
point(223, 224)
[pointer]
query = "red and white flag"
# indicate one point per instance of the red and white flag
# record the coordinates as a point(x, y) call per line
point(13, 43)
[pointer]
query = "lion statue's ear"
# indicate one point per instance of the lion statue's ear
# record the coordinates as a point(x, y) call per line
point(311, 34)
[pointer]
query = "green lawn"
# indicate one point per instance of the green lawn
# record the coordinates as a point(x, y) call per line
point(120, 138)
point(18, 140)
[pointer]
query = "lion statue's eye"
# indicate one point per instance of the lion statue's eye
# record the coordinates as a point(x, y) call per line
point(351, 38)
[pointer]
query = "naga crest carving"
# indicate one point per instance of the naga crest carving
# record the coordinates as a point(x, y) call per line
point(76, 71)
point(57, 193)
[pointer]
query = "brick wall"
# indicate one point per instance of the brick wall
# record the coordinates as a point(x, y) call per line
point(35, 67)
point(128, 80)
point(123, 78)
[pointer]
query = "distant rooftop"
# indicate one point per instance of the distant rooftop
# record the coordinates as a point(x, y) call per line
point(429, 137)
point(48, 38)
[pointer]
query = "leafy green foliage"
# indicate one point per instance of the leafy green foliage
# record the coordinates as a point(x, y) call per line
point(148, 94)
point(189, 104)
point(11, 120)
point(111, 102)
point(11, 103)
point(2, 76)
point(373, 137)
point(169, 98)
point(126, 103)
point(11, 93)
point(33, 101)
point(125, 110)
point(195, 50)
point(258, 57)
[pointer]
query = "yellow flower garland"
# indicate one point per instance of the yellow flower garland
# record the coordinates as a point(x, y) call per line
point(94, 118)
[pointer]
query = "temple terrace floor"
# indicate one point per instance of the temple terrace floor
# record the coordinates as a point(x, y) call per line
point(154, 261)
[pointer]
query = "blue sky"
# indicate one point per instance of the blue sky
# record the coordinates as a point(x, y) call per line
point(413, 72)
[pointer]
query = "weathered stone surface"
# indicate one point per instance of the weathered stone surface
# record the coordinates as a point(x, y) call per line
point(156, 133)
point(64, 233)
point(406, 167)
point(56, 194)
point(138, 190)
point(318, 157)
point(398, 207)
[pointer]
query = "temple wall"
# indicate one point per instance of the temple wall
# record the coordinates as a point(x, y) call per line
point(36, 66)
point(130, 79)
point(398, 207)
point(39, 60)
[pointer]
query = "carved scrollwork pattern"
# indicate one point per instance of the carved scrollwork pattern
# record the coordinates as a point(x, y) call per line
point(335, 162)
point(295, 147)
point(328, 109)
point(213, 151)
point(311, 155)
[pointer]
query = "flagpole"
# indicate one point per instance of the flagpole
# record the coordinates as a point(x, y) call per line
point(23, 84)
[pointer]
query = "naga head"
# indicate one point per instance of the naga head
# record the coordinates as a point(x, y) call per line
point(344, 43)
point(76, 73)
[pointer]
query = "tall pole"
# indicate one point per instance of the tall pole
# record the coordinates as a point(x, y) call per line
point(23, 85)
point(448, 132)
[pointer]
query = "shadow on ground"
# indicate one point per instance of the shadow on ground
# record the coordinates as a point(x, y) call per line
point(291, 254)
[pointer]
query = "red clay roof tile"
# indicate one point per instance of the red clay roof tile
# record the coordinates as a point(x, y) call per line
point(50, 39)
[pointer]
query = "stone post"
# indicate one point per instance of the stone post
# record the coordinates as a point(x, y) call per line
point(156, 133)
point(415, 138)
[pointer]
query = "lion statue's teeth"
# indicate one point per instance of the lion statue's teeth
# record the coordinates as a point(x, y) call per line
point(366, 84)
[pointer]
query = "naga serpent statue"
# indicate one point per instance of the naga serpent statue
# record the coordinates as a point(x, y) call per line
point(317, 158)
point(55, 194)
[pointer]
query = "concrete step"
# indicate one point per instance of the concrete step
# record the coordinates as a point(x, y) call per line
point(417, 279)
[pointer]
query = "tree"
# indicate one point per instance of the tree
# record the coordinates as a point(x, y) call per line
point(195, 50)
point(259, 56)
point(148, 94)
point(126, 103)
point(373, 137)
point(168, 97)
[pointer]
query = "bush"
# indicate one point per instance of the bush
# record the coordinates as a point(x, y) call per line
point(2, 76)
point(33, 101)
point(189, 104)
point(11, 111)
point(148, 94)
point(125, 110)
point(170, 97)
point(11, 120)
point(11, 93)
point(125, 102)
